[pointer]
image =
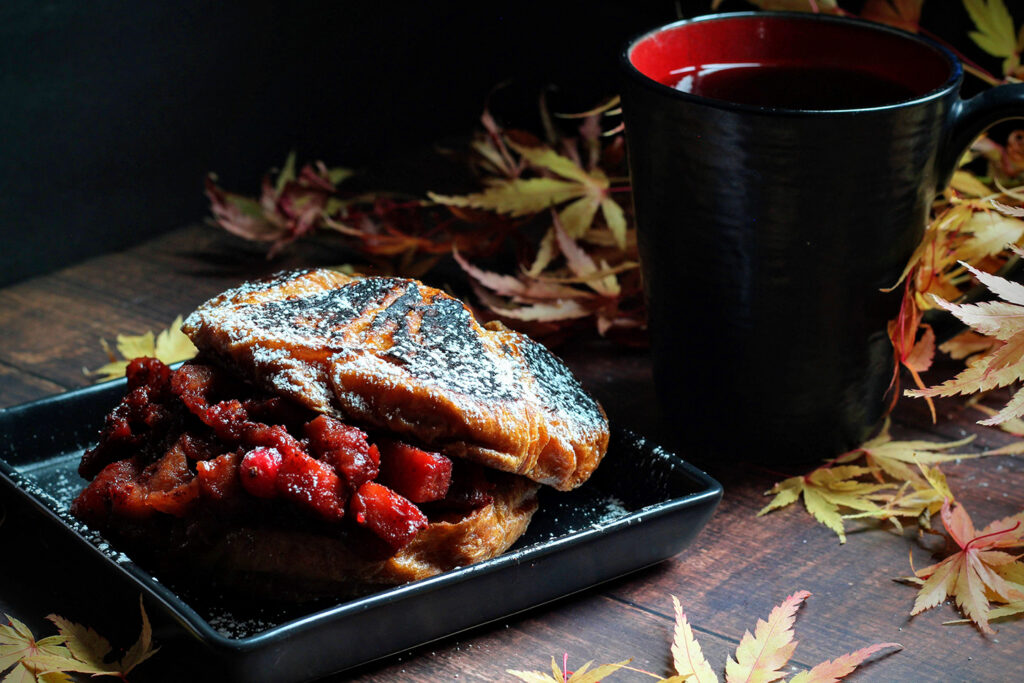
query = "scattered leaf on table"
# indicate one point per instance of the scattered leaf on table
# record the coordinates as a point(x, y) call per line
point(973, 575)
point(170, 346)
point(840, 667)
point(77, 649)
point(900, 459)
point(687, 657)
point(760, 656)
point(826, 489)
point(582, 675)
point(920, 500)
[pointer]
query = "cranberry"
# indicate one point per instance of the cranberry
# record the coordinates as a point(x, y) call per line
point(259, 471)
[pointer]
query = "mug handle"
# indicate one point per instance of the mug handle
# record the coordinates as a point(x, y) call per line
point(970, 118)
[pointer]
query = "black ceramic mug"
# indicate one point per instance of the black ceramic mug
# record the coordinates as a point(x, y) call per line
point(783, 166)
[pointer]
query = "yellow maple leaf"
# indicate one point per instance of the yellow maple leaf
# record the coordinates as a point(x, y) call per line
point(968, 183)
point(582, 675)
point(170, 346)
point(994, 34)
point(899, 458)
point(586, 191)
point(914, 499)
point(77, 649)
point(824, 491)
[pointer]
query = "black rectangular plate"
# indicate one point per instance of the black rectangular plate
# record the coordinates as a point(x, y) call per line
point(643, 505)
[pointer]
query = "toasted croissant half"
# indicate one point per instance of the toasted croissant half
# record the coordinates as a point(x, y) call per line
point(338, 433)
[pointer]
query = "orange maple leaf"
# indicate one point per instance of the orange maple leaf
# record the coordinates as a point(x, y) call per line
point(760, 656)
point(974, 573)
point(910, 350)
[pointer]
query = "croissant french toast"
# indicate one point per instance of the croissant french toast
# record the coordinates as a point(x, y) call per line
point(336, 434)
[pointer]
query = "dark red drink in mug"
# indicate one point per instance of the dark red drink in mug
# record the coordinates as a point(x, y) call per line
point(783, 166)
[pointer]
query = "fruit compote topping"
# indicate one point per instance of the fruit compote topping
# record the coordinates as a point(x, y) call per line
point(196, 443)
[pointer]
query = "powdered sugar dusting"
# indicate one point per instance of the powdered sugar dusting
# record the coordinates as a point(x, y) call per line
point(397, 354)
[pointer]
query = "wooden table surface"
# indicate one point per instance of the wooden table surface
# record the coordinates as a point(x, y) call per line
point(736, 570)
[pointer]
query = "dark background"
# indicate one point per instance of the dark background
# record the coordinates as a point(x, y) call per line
point(113, 112)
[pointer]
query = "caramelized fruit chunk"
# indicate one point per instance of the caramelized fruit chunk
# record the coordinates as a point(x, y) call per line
point(177, 501)
point(94, 503)
point(414, 473)
point(139, 423)
point(218, 478)
point(259, 471)
point(388, 515)
point(345, 448)
point(312, 484)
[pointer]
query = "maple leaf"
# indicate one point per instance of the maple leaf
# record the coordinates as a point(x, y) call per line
point(898, 458)
point(913, 353)
point(242, 216)
point(170, 346)
point(77, 649)
point(582, 265)
point(687, 657)
point(967, 344)
point(824, 491)
point(968, 183)
point(972, 575)
point(994, 34)
point(760, 656)
point(840, 667)
point(915, 499)
point(20, 649)
point(1004, 364)
point(586, 192)
point(989, 232)
point(966, 231)
point(582, 675)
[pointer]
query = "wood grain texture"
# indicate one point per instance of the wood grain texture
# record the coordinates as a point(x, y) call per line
point(738, 568)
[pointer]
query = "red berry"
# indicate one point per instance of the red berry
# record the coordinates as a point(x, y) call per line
point(259, 471)
point(390, 516)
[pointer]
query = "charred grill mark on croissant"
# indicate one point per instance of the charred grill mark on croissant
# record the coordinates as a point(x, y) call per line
point(399, 355)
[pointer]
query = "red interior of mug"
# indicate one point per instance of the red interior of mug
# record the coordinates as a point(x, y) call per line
point(790, 42)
